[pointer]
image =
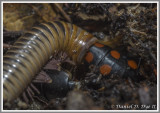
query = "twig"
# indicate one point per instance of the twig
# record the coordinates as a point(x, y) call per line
point(62, 12)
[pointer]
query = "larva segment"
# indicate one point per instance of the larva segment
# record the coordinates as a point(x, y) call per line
point(32, 51)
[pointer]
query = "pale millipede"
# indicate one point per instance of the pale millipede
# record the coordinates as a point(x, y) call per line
point(32, 51)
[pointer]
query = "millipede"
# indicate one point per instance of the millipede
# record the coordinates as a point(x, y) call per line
point(32, 51)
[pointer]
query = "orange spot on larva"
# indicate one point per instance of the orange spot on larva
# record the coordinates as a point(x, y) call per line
point(105, 69)
point(132, 64)
point(115, 54)
point(89, 57)
point(99, 45)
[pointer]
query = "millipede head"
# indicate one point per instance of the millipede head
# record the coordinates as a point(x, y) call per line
point(59, 86)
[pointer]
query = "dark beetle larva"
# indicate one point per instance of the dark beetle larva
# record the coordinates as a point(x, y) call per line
point(30, 53)
point(110, 61)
